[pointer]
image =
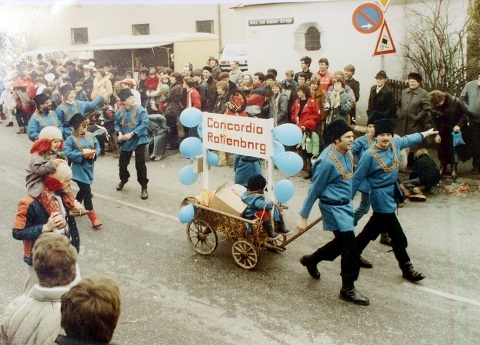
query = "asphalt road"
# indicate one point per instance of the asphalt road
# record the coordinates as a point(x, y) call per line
point(172, 295)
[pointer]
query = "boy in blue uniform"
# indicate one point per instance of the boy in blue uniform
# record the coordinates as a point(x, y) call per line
point(131, 126)
point(82, 149)
point(258, 207)
point(332, 185)
point(379, 166)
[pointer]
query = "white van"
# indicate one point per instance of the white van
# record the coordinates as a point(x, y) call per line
point(48, 54)
point(234, 52)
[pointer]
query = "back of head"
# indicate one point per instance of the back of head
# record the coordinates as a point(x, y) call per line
point(256, 182)
point(54, 260)
point(90, 309)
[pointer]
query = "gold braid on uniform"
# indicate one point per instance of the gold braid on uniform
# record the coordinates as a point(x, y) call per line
point(382, 163)
point(339, 165)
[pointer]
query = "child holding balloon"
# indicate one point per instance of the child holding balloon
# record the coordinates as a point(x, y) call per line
point(258, 207)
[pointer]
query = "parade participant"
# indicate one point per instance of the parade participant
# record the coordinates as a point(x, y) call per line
point(23, 93)
point(45, 157)
point(131, 122)
point(70, 107)
point(258, 207)
point(449, 114)
point(82, 150)
point(90, 311)
point(34, 318)
point(42, 117)
point(331, 185)
point(32, 219)
point(379, 166)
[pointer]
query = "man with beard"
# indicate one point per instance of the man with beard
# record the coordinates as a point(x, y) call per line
point(70, 107)
point(43, 117)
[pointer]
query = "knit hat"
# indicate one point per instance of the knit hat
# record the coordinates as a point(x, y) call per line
point(76, 120)
point(256, 182)
point(41, 99)
point(310, 124)
point(124, 94)
point(65, 89)
point(50, 132)
point(383, 126)
point(335, 130)
point(54, 181)
point(375, 116)
point(415, 76)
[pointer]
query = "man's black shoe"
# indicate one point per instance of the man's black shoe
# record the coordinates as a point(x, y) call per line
point(121, 185)
point(365, 263)
point(312, 269)
point(353, 296)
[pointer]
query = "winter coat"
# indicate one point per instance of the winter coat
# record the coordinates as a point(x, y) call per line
point(102, 84)
point(309, 112)
point(414, 108)
point(279, 109)
point(34, 319)
point(382, 102)
point(471, 97)
point(174, 100)
point(426, 170)
point(340, 104)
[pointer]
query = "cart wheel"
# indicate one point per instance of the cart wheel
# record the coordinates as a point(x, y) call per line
point(244, 254)
point(202, 238)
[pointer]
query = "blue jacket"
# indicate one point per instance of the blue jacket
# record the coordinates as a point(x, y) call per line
point(134, 120)
point(66, 111)
point(255, 202)
point(39, 121)
point(383, 183)
point(82, 168)
point(360, 145)
point(332, 187)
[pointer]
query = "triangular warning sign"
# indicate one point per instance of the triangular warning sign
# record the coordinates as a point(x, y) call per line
point(383, 4)
point(385, 43)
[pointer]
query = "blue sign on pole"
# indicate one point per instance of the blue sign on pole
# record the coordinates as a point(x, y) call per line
point(367, 18)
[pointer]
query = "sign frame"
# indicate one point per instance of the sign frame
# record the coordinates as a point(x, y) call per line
point(384, 32)
point(371, 25)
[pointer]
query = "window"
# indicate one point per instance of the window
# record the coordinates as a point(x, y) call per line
point(205, 26)
point(312, 39)
point(79, 36)
point(140, 29)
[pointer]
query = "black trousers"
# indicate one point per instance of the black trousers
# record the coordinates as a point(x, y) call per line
point(140, 165)
point(343, 244)
point(172, 135)
point(85, 194)
point(475, 133)
point(381, 222)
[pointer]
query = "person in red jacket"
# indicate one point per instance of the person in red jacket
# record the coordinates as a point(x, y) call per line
point(305, 108)
point(23, 93)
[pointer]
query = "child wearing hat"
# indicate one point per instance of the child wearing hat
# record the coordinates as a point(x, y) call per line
point(82, 149)
point(310, 145)
point(258, 207)
point(45, 157)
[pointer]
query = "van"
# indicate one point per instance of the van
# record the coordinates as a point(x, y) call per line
point(48, 54)
point(234, 52)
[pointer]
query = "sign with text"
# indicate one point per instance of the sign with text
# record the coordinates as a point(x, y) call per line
point(273, 21)
point(241, 135)
point(385, 43)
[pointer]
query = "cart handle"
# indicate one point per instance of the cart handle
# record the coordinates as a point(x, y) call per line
point(298, 234)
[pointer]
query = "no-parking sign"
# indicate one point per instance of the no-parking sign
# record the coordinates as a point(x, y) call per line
point(367, 18)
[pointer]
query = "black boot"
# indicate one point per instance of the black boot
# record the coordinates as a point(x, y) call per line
point(365, 263)
point(410, 273)
point(312, 269)
point(454, 171)
point(385, 239)
point(281, 227)
point(350, 294)
point(267, 226)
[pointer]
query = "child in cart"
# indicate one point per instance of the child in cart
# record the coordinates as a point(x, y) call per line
point(46, 156)
point(258, 207)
